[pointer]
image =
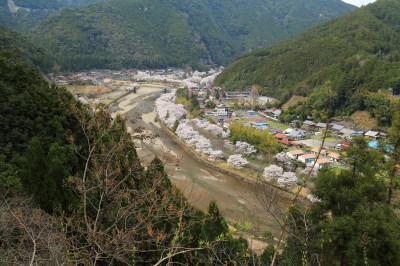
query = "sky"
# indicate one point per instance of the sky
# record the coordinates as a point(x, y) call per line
point(358, 2)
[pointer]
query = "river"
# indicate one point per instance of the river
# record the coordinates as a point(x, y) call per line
point(237, 200)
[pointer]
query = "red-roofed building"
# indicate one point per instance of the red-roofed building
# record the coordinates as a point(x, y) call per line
point(343, 145)
point(280, 136)
point(285, 142)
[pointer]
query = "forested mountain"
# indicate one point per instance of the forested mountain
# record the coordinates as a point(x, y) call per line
point(23, 48)
point(155, 33)
point(358, 52)
point(25, 14)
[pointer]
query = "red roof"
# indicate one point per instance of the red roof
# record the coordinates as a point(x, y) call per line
point(280, 136)
point(285, 142)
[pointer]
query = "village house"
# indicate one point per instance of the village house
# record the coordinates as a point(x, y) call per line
point(346, 133)
point(236, 95)
point(294, 154)
point(275, 114)
point(322, 162)
point(280, 136)
point(359, 133)
point(307, 158)
point(309, 124)
point(372, 134)
point(316, 150)
point(260, 125)
point(296, 134)
point(336, 127)
point(287, 131)
point(285, 143)
point(220, 111)
point(321, 126)
point(342, 145)
point(207, 111)
point(334, 157)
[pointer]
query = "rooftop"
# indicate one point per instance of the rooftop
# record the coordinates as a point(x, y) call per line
point(308, 156)
point(323, 161)
point(334, 155)
point(297, 152)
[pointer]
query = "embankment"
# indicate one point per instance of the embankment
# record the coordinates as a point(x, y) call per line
point(197, 157)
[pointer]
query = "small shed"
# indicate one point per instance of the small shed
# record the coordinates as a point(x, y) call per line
point(250, 113)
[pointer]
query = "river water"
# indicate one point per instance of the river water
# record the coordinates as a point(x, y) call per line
point(237, 200)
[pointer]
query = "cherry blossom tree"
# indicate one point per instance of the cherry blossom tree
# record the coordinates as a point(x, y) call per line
point(283, 158)
point(214, 129)
point(244, 148)
point(228, 144)
point(237, 161)
point(288, 179)
point(214, 154)
point(272, 172)
point(202, 145)
point(226, 134)
point(167, 110)
point(313, 198)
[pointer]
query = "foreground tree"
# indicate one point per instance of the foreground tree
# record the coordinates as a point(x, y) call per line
point(28, 235)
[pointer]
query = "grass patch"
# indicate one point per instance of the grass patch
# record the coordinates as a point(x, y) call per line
point(277, 125)
point(293, 101)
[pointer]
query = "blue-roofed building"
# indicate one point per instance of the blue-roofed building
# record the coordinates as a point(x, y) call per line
point(373, 144)
point(359, 133)
point(261, 125)
point(250, 113)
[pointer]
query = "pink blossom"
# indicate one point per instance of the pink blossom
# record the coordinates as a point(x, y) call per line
point(244, 148)
point(167, 110)
point(272, 172)
point(313, 198)
point(288, 179)
point(237, 161)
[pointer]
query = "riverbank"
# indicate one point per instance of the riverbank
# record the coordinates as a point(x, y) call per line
point(240, 198)
point(236, 174)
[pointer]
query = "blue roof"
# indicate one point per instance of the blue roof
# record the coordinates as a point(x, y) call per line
point(373, 144)
point(261, 123)
point(386, 147)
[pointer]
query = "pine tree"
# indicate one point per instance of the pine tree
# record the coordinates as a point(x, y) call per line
point(35, 176)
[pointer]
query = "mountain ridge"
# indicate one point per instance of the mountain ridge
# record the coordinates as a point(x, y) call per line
point(209, 32)
point(356, 52)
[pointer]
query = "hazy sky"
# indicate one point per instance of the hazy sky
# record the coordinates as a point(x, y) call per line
point(358, 2)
